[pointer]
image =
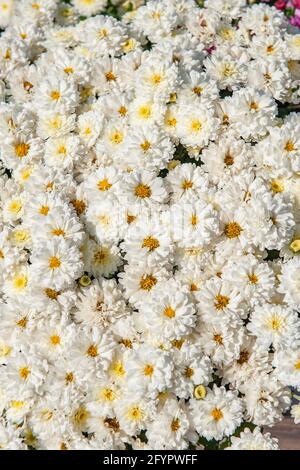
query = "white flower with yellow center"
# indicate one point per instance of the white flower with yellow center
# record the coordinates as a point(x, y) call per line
point(63, 152)
point(218, 414)
point(56, 94)
point(170, 313)
point(174, 429)
point(220, 301)
point(101, 260)
point(89, 126)
point(138, 280)
point(143, 188)
point(18, 283)
point(57, 264)
point(134, 414)
point(276, 325)
point(149, 371)
point(197, 126)
point(194, 223)
point(287, 363)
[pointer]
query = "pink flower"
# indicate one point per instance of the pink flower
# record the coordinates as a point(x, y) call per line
point(295, 21)
point(296, 3)
point(280, 4)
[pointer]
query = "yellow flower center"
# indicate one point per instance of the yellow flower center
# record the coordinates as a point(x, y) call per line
point(130, 218)
point(228, 159)
point(20, 282)
point(147, 282)
point(142, 191)
point(189, 372)
point(289, 146)
point(58, 232)
point(295, 246)
point(135, 413)
point(17, 404)
point(171, 122)
point(81, 415)
point(24, 372)
point(187, 184)
point(148, 370)
point(221, 301)
point(22, 149)
point(104, 185)
point(177, 343)
point(102, 33)
point(27, 85)
point(175, 425)
point(100, 257)
point(54, 262)
point(43, 210)
point(244, 357)
point(217, 414)
point(92, 350)
point(297, 365)
point(232, 230)
point(22, 323)
point(108, 394)
point(194, 220)
point(123, 111)
point(253, 106)
point(277, 186)
point(145, 112)
point(15, 207)
point(110, 76)
point(62, 150)
point(68, 70)
point(118, 369)
point(199, 392)
point(51, 293)
point(126, 342)
point(150, 243)
point(196, 125)
point(169, 312)
point(253, 279)
point(69, 377)
point(218, 339)
point(116, 137)
point(155, 79)
point(145, 146)
point(129, 45)
point(275, 322)
point(55, 340)
point(197, 90)
point(55, 95)
point(78, 205)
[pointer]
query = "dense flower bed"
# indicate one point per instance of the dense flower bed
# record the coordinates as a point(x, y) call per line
point(150, 227)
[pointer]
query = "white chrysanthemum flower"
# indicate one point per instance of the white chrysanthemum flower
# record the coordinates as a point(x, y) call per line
point(149, 371)
point(169, 313)
point(255, 440)
point(100, 304)
point(266, 399)
point(275, 325)
point(218, 414)
point(174, 429)
point(57, 264)
point(218, 301)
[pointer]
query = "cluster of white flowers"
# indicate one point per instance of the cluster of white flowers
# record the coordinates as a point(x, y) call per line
point(150, 224)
